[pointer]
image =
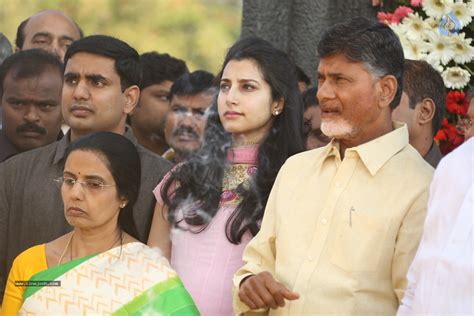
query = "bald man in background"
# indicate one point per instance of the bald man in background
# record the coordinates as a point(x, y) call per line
point(50, 30)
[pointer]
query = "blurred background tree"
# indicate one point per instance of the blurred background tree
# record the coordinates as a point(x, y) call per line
point(197, 31)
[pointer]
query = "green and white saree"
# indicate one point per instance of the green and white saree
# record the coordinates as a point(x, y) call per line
point(129, 280)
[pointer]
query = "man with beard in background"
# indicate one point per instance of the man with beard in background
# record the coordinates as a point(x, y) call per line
point(191, 95)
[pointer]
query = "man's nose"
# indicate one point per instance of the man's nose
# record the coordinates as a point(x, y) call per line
point(81, 92)
point(56, 49)
point(31, 114)
point(187, 119)
point(324, 91)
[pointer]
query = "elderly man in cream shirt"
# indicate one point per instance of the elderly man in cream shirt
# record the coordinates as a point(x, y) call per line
point(343, 222)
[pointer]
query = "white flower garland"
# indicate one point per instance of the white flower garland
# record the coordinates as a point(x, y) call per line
point(438, 39)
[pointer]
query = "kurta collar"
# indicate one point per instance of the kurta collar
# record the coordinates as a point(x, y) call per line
point(375, 153)
point(243, 154)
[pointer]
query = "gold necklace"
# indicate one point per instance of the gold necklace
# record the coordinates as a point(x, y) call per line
point(65, 248)
point(246, 143)
point(243, 141)
point(120, 237)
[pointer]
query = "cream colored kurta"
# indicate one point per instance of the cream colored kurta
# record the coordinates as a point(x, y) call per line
point(342, 234)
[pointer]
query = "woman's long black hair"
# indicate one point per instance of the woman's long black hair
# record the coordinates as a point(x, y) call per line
point(200, 179)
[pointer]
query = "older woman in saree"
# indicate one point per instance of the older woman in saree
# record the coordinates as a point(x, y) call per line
point(100, 266)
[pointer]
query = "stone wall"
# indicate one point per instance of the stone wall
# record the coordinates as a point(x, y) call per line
point(296, 26)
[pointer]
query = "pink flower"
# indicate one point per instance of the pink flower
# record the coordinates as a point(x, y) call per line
point(400, 13)
point(415, 3)
point(384, 17)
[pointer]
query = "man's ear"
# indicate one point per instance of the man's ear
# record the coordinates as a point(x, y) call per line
point(387, 90)
point(131, 94)
point(425, 111)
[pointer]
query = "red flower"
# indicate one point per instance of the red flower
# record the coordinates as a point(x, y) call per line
point(448, 137)
point(441, 134)
point(457, 103)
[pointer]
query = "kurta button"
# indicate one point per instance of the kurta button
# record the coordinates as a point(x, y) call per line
point(324, 221)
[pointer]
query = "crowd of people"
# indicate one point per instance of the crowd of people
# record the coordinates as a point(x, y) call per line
point(130, 185)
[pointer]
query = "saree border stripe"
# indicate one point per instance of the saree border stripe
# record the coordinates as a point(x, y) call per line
point(162, 298)
point(52, 274)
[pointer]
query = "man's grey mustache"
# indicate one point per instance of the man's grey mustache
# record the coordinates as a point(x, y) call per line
point(185, 130)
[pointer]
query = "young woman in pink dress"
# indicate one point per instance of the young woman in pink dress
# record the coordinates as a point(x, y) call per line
point(209, 207)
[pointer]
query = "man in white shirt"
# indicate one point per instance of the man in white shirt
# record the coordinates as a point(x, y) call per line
point(441, 277)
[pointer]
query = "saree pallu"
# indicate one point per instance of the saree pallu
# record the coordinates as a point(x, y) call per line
point(129, 280)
